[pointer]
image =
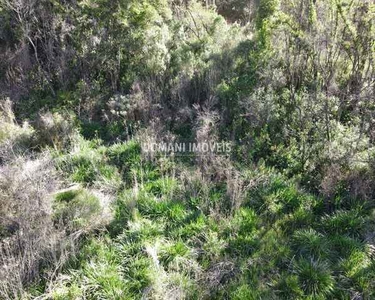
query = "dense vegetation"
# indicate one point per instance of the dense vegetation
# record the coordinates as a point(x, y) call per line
point(87, 213)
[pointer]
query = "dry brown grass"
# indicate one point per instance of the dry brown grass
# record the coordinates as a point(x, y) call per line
point(29, 240)
point(36, 238)
point(56, 130)
point(15, 138)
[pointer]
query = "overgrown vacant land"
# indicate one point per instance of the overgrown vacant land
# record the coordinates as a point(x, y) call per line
point(87, 213)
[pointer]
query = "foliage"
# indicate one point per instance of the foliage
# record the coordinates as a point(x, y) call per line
point(88, 213)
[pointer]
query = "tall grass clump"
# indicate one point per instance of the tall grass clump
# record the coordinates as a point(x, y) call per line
point(29, 239)
point(315, 278)
point(87, 164)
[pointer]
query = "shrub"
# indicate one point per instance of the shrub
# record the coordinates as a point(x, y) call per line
point(33, 246)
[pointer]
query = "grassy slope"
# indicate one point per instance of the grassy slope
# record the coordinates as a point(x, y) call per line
point(174, 239)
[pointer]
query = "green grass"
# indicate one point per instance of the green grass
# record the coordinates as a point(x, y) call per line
point(278, 245)
point(310, 244)
point(76, 209)
point(315, 278)
point(87, 164)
